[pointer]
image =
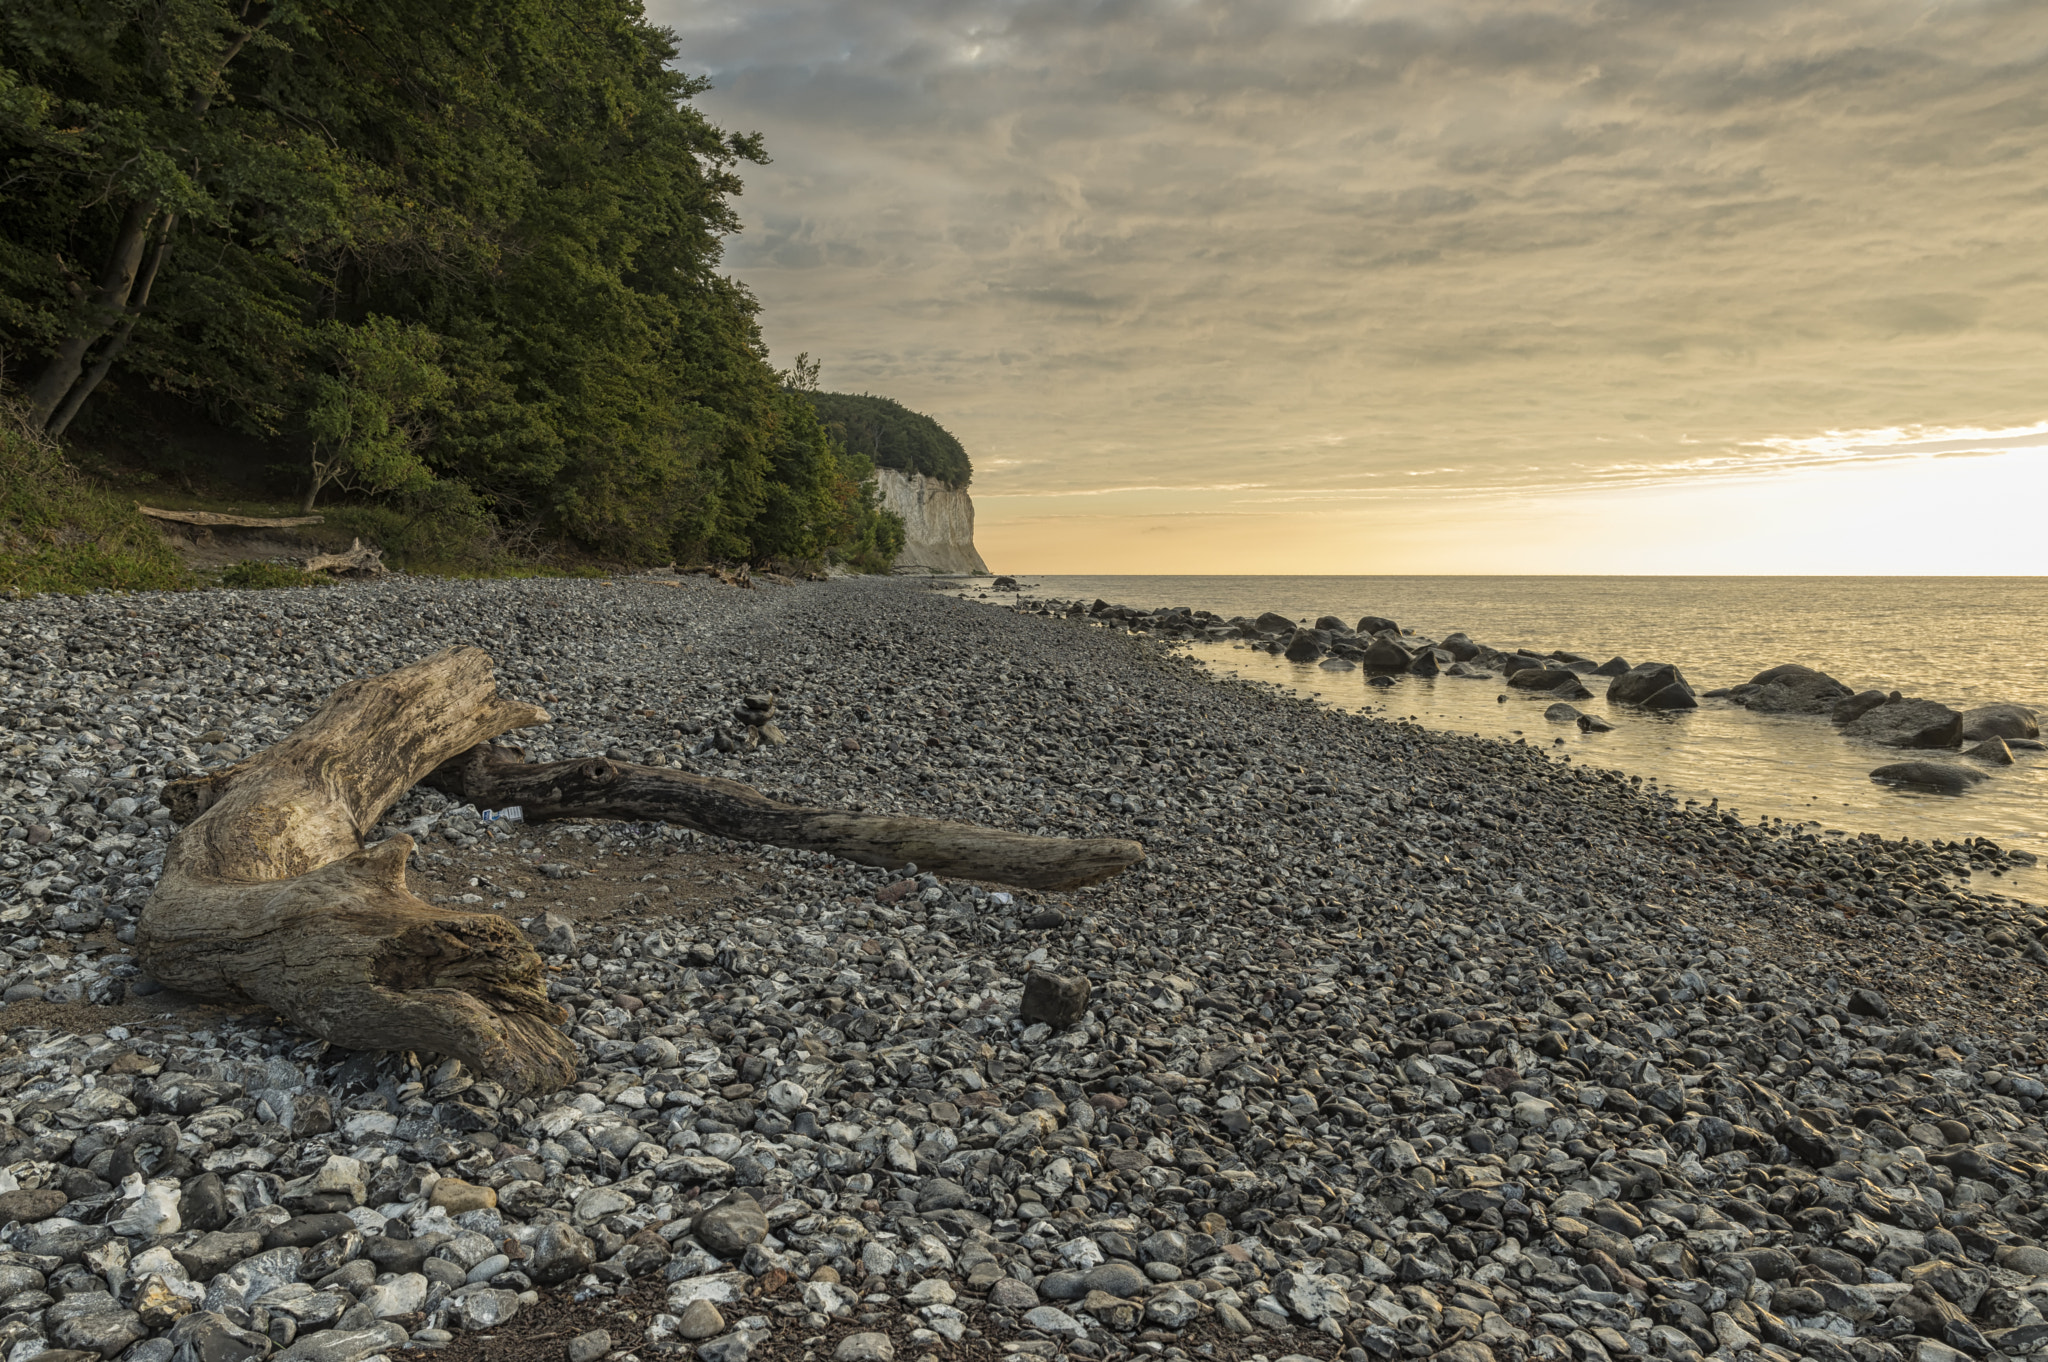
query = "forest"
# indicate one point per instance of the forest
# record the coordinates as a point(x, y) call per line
point(453, 256)
point(890, 435)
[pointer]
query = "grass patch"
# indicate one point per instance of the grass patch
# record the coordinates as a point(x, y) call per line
point(249, 575)
point(58, 532)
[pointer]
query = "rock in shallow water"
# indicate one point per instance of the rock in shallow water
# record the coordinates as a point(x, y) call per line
point(1929, 775)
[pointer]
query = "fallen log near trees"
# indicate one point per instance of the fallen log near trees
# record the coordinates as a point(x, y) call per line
point(268, 894)
point(493, 776)
point(356, 559)
point(247, 522)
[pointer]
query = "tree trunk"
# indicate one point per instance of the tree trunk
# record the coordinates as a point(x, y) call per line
point(498, 777)
point(109, 299)
point(268, 894)
point(60, 420)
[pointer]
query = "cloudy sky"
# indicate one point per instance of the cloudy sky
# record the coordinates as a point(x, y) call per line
point(1450, 286)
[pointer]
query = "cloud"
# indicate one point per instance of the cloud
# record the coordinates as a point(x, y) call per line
point(1118, 243)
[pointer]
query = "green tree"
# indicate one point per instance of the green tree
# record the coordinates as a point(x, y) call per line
point(364, 415)
point(426, 239)
point(893, 436)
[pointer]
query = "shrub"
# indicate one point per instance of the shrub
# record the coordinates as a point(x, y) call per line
point(250, 575)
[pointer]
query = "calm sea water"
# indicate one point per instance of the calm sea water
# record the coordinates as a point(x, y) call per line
point(1963, 641)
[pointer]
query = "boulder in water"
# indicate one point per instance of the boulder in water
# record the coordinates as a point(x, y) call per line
point(1338, 664)
point(1372, 624)
point(1466, 671)
point(1593, 723)
point(1387, 655)
point(1791, 689)
point(1460, 646)
point(1562, 713)
point(1929, 775)
point(1613, 666)
point(1541, 678)
point(1653, 685)
point(1424, 663)
point(1861, 703)
point(1307, 645)
point(1271, 623)
point(1908, 723)
point(1381, 680)
point(2000, 721)
point(1992, 750)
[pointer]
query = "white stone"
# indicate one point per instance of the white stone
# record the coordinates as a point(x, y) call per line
point(401, 1295)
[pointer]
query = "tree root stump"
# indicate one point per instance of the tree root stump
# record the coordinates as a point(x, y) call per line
point(493, 776)
point(269, 896)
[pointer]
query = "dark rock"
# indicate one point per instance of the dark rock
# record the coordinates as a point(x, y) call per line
point(1808, 1142)
point(1908, 723)
point(203, 1205)
point(214, 1253)
point(312, 1114)
point(1307, 645)
point(731, 1227)
point(304, 1231)
point(105, 1333)
point(1116, 1278)
point(1857, 705)
point(1058, 1001)
point(559, 1253)
point(1613, 666)
point(1423, 664)
point(1460, 647)
point(210, 1337)
point(1992, 751)
point(1865, 1002)
point(1791, 689)
point(1373, 624)
point(1271, 623)
point(1542, 678)
point(2000, 721)
point(1387, 655)
point(1653, 685)
point(1593, 723)
point(399, 1255)
point(1562, 713)
point(1942, 776)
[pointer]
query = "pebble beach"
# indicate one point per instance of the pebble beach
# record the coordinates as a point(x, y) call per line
point(1398, 1045)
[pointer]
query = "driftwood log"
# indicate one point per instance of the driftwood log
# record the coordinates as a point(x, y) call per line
point(268, 894)
point(356, 559)
point(247, 522)
point(493, 776)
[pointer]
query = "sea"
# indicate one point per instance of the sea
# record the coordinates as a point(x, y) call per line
point(1964, 641)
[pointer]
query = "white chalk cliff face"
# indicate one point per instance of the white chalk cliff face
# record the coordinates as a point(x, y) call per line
point(938, 523)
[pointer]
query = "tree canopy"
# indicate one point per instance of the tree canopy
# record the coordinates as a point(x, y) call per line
point(456, 245)
point(893, 436)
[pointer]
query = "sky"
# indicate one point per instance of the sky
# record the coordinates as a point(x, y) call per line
point(1336, 286)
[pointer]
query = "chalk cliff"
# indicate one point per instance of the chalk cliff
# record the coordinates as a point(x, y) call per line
point(938, 523)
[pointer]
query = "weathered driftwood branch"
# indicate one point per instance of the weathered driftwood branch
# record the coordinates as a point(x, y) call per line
point(495, 777)
point(269, 895)
point(250, 522)
point(357, 559)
